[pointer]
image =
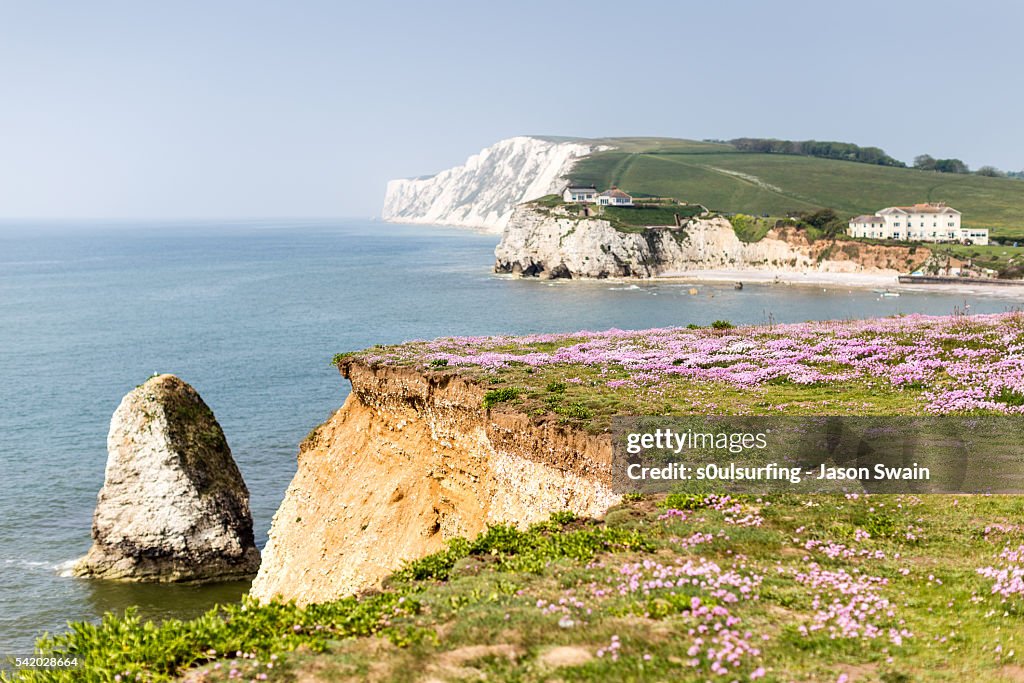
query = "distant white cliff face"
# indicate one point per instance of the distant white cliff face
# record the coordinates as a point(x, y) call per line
point(482, 192)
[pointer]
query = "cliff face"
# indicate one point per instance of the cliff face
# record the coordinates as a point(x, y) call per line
point(482, 192)
point(551, 243)
point(411, 460)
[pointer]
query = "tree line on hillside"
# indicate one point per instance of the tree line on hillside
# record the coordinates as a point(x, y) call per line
point(926, 162)
point(846, 151)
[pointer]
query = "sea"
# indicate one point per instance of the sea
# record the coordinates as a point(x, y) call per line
point(250, 313)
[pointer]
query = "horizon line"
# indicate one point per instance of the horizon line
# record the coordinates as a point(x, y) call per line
point(123, 219)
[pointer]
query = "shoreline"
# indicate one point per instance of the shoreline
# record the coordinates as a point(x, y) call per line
point(825, 280)
point(845, 280)
point(860, 280)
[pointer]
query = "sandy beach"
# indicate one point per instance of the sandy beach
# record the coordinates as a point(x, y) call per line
point(888, 282)
point(871, 280)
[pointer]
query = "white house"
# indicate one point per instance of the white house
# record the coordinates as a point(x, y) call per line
point(614, 197)
point(918, 223)
point(579, 194)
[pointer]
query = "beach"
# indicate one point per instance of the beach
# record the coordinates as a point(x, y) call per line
point(887, 281)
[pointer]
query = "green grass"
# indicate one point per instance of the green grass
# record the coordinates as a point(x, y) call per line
point(624, 218)
point(126, 646)
point(551, 200)
point(1004, 259)
point(724, 179)
point(531, 550)
point(500, 395)
point(632, 217)
point(542, 603)
point(751, 228)
point(589, 403)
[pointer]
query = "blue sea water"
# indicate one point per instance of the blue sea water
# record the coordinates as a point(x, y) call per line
point(250, 313)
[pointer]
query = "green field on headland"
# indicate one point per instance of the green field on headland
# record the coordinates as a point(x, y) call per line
point(636, 218)
point(725, 179)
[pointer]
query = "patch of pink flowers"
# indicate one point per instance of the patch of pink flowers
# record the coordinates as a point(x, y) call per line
point(1008, 578)
point(833, 550)
point(734, 512)
point(612, 649)
point(718, 643)
point(699, 538)
point(725, 585)
point(847, 606)
point(1001, 528)
point(674, 514)
point(961, 363)
point(571, 610)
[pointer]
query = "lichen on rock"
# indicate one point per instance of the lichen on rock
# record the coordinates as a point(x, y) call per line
point(173, 506)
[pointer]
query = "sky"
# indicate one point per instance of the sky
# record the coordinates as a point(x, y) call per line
point(250, 109)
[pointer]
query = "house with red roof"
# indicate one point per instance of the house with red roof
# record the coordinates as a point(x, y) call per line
point(614, 197)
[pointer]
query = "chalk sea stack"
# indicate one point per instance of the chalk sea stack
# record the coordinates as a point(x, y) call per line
point(173, 506)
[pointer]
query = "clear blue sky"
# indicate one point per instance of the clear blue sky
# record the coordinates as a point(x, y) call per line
point(306, 108)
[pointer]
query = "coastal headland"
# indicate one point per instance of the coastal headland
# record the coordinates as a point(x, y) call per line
point(497, 546)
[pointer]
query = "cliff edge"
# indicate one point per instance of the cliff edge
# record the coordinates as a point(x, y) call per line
point(557, 242)
point(411, 460)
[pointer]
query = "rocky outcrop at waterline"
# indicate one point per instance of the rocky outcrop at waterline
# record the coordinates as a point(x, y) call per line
point(173, 506)
point(558, 243)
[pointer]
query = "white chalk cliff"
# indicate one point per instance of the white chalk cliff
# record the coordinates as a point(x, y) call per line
point(483, 192)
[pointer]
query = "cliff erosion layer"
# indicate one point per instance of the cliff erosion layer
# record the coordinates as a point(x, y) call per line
point(410, 461)
point(482, 192)
point(554, 243)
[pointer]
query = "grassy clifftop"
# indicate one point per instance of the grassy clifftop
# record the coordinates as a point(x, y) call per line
point(726, 179)
point(625, 219)
point(683, 587)
point(905, 365)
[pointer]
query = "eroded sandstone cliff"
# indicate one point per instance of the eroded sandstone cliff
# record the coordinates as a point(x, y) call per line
point(411, 460)
point(552, 243)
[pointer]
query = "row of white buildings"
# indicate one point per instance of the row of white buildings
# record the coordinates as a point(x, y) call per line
point(931, 222)
point(918, 223)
